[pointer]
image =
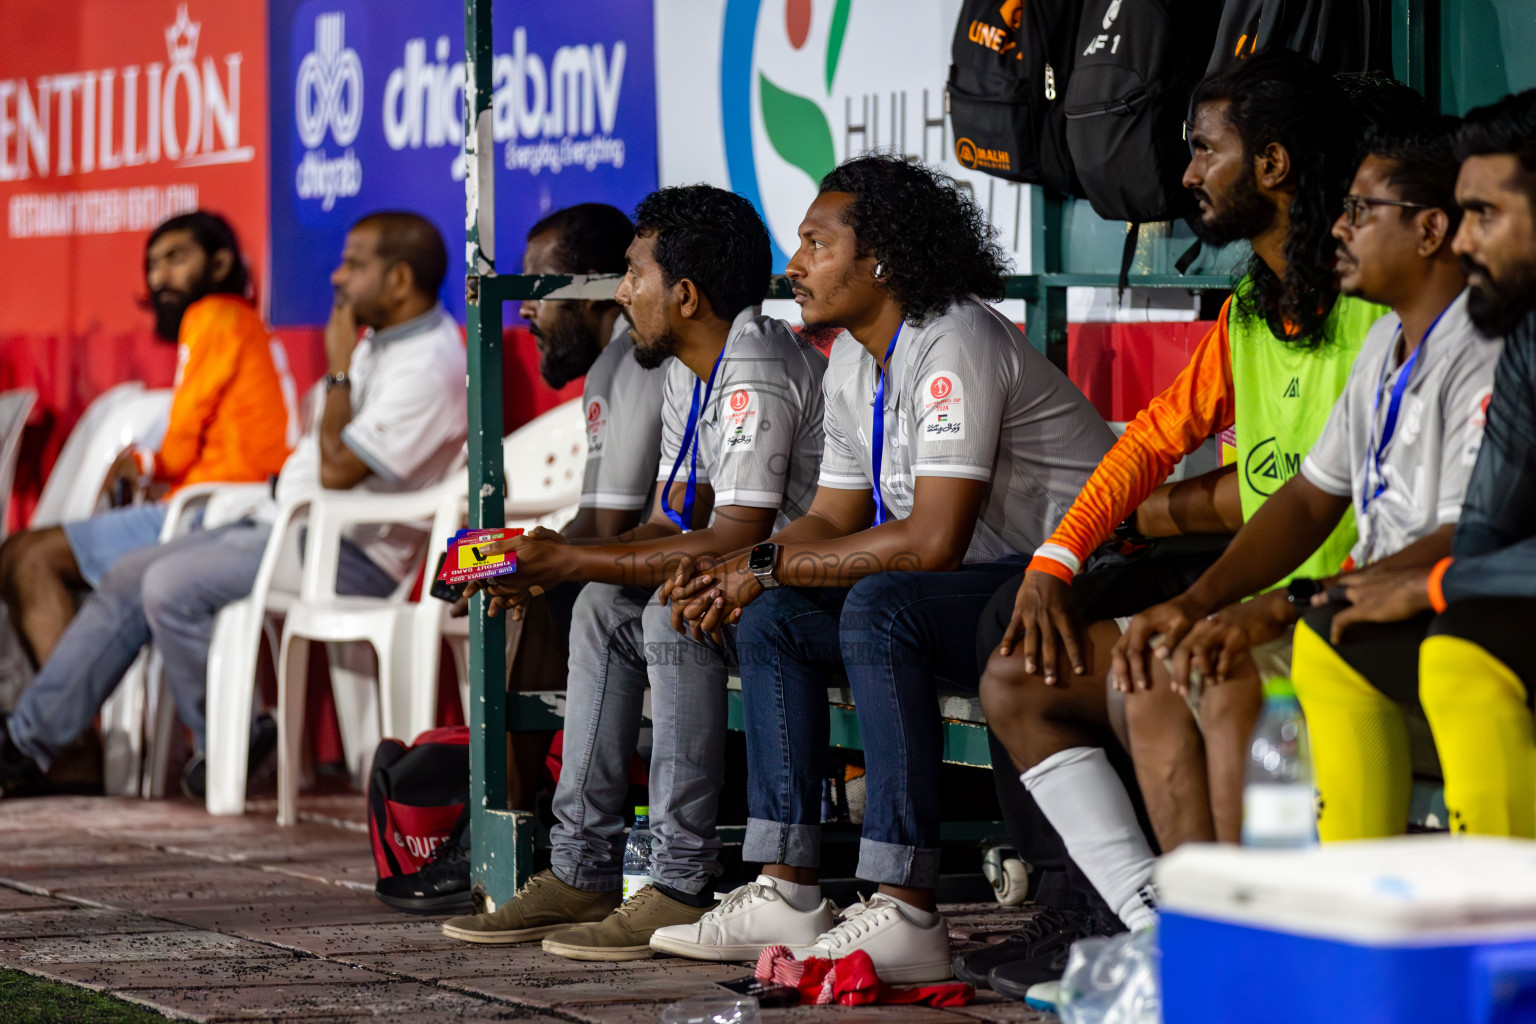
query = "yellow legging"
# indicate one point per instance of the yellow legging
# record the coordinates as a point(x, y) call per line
point(1477, 710)
point(1359, 744)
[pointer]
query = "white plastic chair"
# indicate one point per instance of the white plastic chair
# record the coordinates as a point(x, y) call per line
point(126, 414)
point(320, 614)
point(15, 407)
point(542, 462)
point(133, 765)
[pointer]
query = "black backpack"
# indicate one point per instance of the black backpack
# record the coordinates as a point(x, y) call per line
point(1341, 35)
point(1135, 66)
point(416, 795)
point(1006, 89)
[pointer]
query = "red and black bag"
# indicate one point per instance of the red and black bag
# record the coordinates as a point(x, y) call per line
point(415, 795)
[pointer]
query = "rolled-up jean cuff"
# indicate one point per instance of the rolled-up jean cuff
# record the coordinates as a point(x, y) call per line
point(894, 864)
point(588, 880)
point(771, 842)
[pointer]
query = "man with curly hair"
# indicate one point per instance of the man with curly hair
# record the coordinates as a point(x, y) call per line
point(952, 450)
point(1273, 145)
point(740, 444)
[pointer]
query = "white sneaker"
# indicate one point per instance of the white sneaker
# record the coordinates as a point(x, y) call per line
point(747, 921)
point(903, 951)
point(1044, 996)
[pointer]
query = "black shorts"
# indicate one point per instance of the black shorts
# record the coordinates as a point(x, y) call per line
point(1387, 653)
point(1113, 584)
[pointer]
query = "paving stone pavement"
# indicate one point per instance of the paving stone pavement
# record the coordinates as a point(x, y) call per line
point(234, 919)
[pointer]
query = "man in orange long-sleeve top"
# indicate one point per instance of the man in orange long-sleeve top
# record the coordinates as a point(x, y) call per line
point(232, 420)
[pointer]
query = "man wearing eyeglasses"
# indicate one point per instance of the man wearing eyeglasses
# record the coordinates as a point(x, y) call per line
point(1398, 448)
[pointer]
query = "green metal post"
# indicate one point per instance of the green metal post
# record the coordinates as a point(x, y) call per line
point(1045, 317)
point(502, 839)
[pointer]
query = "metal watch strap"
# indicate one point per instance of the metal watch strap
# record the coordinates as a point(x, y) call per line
point(765, 577)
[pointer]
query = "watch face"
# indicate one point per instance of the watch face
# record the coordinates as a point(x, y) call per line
point(762, 557)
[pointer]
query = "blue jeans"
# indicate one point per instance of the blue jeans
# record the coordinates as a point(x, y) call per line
point(168, 594)
point(621, 642)
point(900, 637)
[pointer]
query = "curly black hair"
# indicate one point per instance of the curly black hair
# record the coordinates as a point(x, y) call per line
point(933, 240)
point(712, 237)
point(1279, 97)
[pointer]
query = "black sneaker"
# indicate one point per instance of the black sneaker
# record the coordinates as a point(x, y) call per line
point(442, 884)
point(19, 774)
point(194, 777)
point(1035, 948)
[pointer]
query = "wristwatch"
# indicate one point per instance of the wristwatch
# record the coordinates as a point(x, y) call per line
point(762, 562)
point(337, 380)
point(1300, 592)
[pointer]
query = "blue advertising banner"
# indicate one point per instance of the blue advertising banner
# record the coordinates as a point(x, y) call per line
point(367, 114)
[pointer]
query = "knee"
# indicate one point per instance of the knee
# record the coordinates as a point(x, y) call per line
point(1229, 712)
point(1156, 715)
point(31, 552)
point(763, 622)
point(1009, 695)
point(158, 590)
point(876, 601)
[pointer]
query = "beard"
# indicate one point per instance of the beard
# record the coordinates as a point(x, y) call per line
point(1245, 215)
point(1497, 307)
point(171, 305)
point(569, 351)
point(651, 354)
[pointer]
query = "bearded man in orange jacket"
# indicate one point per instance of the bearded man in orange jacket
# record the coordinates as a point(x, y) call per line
point(233, 419)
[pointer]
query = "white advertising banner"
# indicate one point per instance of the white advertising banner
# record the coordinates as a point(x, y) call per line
point(765, 96)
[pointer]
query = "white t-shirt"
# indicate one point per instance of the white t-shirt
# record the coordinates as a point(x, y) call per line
point(622, 400)
point(1439, 429)
point(409, 422)
point(760, 437)
point(965, 396)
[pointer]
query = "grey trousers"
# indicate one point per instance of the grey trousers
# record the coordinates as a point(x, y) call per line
point(168, 594)
point(621, 641)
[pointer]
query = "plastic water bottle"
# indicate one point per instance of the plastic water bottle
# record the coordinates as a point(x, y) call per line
point(1278, 801)
point(637, 854)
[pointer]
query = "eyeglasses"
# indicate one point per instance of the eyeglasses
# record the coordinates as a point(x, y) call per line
point(1355, 207)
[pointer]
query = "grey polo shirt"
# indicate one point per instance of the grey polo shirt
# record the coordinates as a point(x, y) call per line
point(1429, 459)
point(759, 441)
point(965, 396)
point(622, 400)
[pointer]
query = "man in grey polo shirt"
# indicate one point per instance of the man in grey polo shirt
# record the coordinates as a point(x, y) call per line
point(952, 450)
point(393, 421)
point(621, 402)
point(741, 441)
point(620, 399)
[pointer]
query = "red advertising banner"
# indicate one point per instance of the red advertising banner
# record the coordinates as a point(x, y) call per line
point(114, 115)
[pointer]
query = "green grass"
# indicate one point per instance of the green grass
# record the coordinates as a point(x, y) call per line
point(28, 1000)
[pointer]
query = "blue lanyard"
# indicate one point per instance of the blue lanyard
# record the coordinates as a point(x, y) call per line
point(879, 425)
point(684, 521)
point(1389, 428)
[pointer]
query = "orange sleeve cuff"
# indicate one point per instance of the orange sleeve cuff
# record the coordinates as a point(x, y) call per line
point(1050, 565)
point(1436, 595)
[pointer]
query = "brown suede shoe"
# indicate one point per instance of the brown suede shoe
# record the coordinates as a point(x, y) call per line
point(626, 933)
point(543, 905)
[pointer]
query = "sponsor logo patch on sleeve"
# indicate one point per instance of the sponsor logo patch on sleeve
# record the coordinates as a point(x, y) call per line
point(739, 416)
point(943, 401)
point(597, 425)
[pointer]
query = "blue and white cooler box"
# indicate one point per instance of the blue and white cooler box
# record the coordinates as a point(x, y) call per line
point(1411, 930)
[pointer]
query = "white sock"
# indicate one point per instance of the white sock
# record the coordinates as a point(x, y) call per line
point(1083, 798)
point(921, 918)
point(804, 898)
